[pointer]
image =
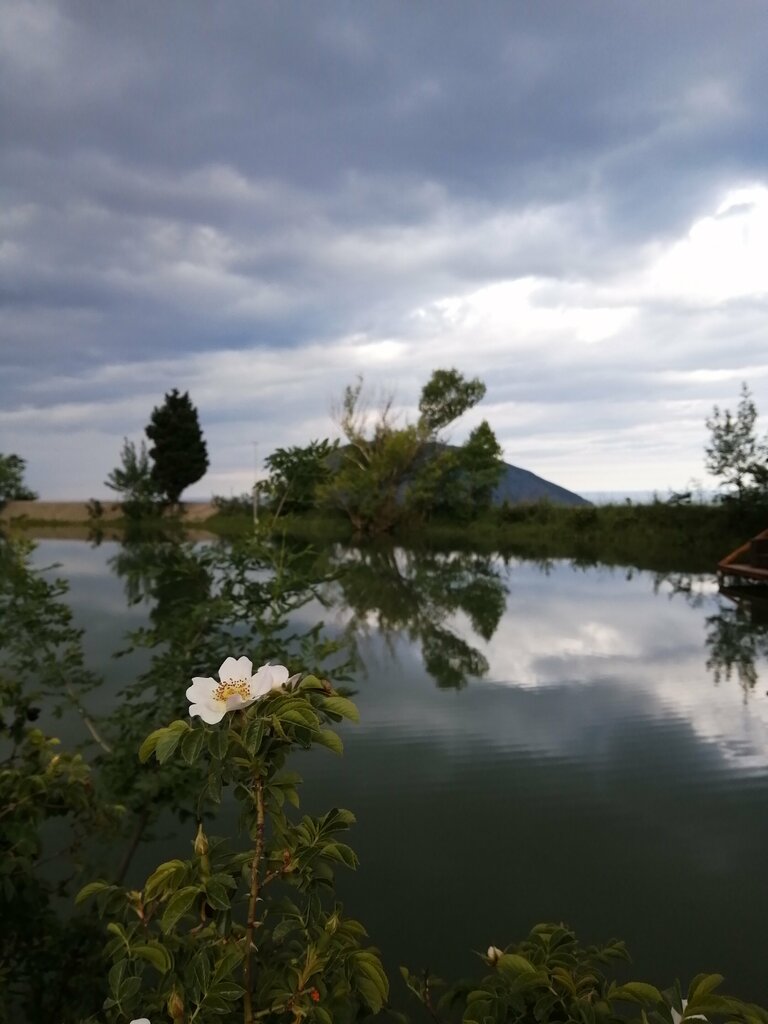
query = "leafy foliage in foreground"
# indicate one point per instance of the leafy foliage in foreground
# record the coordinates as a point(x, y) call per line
point(247, 926)
point(551, 977)
point(233, 933)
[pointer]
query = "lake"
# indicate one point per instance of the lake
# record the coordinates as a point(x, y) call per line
point(538, 741)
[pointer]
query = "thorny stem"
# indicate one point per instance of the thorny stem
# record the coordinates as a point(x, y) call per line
point(253, 900)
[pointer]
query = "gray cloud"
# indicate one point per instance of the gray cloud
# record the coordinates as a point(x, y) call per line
point(259, 202)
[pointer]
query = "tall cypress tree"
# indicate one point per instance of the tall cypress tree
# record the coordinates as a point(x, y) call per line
point(179, 453)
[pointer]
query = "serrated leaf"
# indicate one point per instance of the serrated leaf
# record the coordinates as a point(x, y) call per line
point(638, 992)
point(178, 905)
point(217, 743)
point(149, 744)
point(116, 974)
point(217, 896)
point(341, 706)
point(702, 985)
point(167, 743)
point(155, 954)
point(164, 879)
point(513, 964)
point(192, 745)
point(90, 890)
point(328, 738)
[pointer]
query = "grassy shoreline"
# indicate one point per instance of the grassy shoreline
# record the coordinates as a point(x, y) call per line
point(656, 536)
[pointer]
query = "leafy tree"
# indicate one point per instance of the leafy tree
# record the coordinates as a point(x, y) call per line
point(12, 487)
point(296, 474)
point(133, 480)
point(389, 473)
point(179, 452)
point(734, 452)
point(446, 396)
point(459, 482)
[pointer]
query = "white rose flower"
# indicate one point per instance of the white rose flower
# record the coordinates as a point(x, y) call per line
point(237, 688)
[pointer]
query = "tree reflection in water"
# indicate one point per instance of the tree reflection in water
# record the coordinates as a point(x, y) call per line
point(736, 635)
point(415, 592)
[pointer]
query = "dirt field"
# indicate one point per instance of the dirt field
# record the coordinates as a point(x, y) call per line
point(77, 511)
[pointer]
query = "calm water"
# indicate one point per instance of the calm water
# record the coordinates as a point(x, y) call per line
point(536, 743)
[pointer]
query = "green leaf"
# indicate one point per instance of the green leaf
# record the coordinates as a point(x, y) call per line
point(116, 975)
point(229, 960)
point(217, 896)
point(327, 738)
point(341, 706)
point(147, 747)
point(217, 743)
point(178, 906)
point(90, 890)
point(702, 985)
point(215, 1004)
point(512, 964)
point(638, 992)
point(129, 988)
point(192, 745)
point(201, 970)
point(156, 954)
point(167, 743)
point(164, 879)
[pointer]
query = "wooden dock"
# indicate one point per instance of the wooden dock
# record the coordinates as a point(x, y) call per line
point(748, 562)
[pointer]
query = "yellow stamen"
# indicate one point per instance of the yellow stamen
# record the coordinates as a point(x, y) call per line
point(232, 687)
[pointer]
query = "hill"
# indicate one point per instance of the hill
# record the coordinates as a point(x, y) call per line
point(519, 485)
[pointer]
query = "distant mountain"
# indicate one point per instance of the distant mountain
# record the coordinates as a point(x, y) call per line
point(518, 485)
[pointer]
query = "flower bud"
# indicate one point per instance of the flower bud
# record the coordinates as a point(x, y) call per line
point(201, 841)
point(175, 1006)
point(493, 955)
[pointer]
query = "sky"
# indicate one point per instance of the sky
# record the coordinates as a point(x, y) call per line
point(256, 203)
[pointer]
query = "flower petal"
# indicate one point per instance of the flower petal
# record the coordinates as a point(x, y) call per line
point(235, 701)
point(235, 668)
point(209, 714)
point(201, 689)
point(268, 677)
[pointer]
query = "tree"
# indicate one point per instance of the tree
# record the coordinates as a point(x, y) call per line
point(389, 473)
point(296, 474)
point(446, 396)
point(734, 453)
point(133, 480)
point(12, 486)
point(179, 453)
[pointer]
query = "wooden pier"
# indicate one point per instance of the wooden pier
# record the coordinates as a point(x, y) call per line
point(749, 562)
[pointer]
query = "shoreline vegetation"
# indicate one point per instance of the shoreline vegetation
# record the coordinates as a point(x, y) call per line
point(658, 535)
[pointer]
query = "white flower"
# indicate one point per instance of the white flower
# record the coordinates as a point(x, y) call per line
point(494, 954)
point(237, 688)
point(140, 1020)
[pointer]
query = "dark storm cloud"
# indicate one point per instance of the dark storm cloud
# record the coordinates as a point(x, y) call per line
point(185, 179)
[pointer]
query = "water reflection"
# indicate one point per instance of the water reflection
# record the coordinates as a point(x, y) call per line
point(414, 594)
point(590, 766)
point(737, 637)
point(736, 630)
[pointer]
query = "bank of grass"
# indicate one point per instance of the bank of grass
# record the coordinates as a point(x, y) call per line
point(657, 536)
